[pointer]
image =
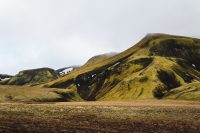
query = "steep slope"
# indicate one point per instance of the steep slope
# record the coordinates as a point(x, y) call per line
point(33, 77)
point(152, 68)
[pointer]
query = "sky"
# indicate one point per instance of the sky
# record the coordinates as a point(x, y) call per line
point(60, 33)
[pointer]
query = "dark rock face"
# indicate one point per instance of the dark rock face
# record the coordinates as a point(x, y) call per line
point(33, 77)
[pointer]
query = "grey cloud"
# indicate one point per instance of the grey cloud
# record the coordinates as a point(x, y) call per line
point(57, 33)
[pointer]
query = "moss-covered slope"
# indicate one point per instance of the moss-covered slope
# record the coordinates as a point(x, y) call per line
point(153, 68)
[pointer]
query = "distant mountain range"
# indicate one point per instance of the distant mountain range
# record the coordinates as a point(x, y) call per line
point(160, 66)
point(35, 76)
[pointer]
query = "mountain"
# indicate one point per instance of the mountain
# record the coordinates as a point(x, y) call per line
point(100, 58)
point(159, 66)
point(33, 77)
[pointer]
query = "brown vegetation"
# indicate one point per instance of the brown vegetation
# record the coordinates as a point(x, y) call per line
point(102, 117)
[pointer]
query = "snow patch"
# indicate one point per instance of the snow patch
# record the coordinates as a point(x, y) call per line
point(116, 64)
point(4, 79)
point(93, 75)
point(66, 71)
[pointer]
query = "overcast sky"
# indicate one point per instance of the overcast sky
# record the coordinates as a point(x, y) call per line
point(59, 33)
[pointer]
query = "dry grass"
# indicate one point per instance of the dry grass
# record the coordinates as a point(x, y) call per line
point(102, 117)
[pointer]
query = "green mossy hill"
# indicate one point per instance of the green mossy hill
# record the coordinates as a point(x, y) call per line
point(153, 68)
point(33, 77)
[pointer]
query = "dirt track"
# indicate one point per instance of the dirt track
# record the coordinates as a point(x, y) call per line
point(113, 117)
